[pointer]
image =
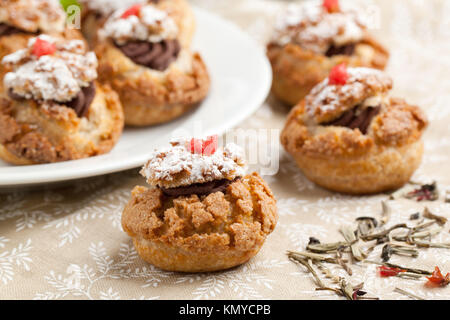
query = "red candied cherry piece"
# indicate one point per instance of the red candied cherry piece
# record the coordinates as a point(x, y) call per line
point(331, 5)
point(43, 48)
point(196, 146)
point(338, 75)
point(132, 11)
point(210, 145)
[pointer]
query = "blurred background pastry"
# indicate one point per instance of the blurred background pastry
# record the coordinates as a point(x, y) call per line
point(350, 135)
point(96, 12)
point(52, 108)
point(142, 57)
point(310, 39)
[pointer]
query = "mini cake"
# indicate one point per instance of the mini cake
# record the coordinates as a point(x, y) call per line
point(310, 39)
point(140, 55)
point(52, 109)
point(349, 135)
point(201, 212)
point(96, 12)
point(21, 20)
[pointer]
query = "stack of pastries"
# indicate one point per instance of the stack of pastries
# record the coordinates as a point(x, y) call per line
point(67, 95)
point(346, 132)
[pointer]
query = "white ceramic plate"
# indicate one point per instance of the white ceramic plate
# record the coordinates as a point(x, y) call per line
point(241, 78)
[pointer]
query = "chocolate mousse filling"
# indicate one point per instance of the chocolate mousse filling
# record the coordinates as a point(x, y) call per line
point(83, 100)
point(80, 104)
point(6, 30)
point(347, 50)
point(157, 56)
point(199, 188)
point(356, 118)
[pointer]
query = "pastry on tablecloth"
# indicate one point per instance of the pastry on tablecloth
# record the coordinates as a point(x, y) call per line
point(140, 55)
point(201, 212)
point(52, 108)
point(349, 134)
point(312, 38)
point(96, 12)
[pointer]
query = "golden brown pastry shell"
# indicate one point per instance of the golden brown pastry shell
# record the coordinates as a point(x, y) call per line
point(296, 70)
point(32, 134)
point(150, 97)
point(201, 234)
point(345, 160)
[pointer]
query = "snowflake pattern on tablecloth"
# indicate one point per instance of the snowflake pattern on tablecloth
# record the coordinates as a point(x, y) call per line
point(18, 257)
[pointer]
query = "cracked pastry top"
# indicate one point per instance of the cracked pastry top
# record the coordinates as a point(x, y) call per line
point(51, 71)
point(360, 110)
point(202, 212)
point(317, 28)
point(188, 162)
point(31, 16)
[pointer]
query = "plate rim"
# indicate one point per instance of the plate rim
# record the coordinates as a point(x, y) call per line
point(87, 172)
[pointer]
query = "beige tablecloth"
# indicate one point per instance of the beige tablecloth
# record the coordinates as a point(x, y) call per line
point(67, 243)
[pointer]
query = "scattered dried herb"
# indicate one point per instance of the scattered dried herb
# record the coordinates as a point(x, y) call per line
point(428, 192)
point(313, 240)
point(437, 279)
point(385, 271)
point(447, 196)
point(352, 240)
point(386, 253)
point(439, 219)
point(408, 294)
point(414, 216)
point(386, 212)
point(405, 241)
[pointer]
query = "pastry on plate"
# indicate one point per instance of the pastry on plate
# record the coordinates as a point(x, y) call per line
point(350, 135)
point(312, 38)
point(96, 12)
point(141, 57)
point(52, 108)
point(201, 212)
point(21, 20)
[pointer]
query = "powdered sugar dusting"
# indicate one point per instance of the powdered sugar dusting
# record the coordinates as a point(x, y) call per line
point(152, 25)
point(312, 27)
point(57, 77)
point(106, 7)
point(176, 166)
point(326, 99)
point(33, 15)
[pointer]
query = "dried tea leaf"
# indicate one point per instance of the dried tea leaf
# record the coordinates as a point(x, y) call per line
point(341, 261)
point(414, 216)
point(312, 256)
point(439, 219)
point(313, 240)
point(447, 196)
point(386, 253)
point(384, 233)
point(325, 247)
point(349, 236)
point(385, 213)
point(428, 192)
point(408, 294)
point(366, 225)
